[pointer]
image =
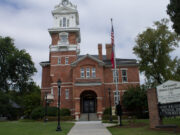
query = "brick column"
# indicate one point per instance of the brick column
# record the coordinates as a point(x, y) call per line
point(77, 108)
point(99, 107)
point(154, 118)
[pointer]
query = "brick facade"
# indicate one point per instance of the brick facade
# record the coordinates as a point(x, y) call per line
point(98, 67)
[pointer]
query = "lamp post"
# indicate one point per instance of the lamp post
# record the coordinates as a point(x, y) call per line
point(59, 88)
point(110, 115)
point(45, 112)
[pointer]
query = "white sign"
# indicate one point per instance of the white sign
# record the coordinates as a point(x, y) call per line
point(168, 92)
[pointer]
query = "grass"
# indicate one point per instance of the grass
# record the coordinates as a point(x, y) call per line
point(33, 128)
point(141, 127)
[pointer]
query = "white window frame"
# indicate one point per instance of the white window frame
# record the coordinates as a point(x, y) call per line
point(124, 76)
point(93, 72)
point(82, 73)
point(66, 60)
point(59, 60)
point(66, 93)
point(87, 72)
point(115, 75)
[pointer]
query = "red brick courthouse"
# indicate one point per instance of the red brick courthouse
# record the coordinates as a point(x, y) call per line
point(85, 78)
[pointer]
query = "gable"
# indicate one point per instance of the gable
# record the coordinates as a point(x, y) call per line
point(84, 60)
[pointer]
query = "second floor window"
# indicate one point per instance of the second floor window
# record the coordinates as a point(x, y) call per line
point(124, 75)
point(115, 76)
point(93, 72)
point(66, 60)
point(59, 60)
point(87, 72)
point(82, 72)
point(67, 94)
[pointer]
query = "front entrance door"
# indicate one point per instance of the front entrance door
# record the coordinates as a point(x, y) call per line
point(89, 106)
point(88, 102)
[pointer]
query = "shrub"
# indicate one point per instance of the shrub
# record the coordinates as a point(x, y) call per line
point(107, 111)
point(63, 118)
point(65, 112)
point(37, 113)
point(52, 111)
point(106, 117)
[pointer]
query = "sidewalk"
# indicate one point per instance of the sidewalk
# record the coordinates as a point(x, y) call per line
point(89, 128)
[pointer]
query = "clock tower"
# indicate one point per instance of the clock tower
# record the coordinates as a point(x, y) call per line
point(65, 32)
point(64, 48)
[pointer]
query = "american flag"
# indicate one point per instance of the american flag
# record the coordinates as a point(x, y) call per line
point(112, 42)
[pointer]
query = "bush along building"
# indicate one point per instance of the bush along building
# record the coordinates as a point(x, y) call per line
point(85, 78)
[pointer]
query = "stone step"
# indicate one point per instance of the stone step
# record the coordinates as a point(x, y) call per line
point(92, 117)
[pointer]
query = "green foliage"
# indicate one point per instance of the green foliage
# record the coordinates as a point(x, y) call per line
point(37, 113)
point(52, 111)
point(63, 118)
point(65, 112)
point(16, 67)
point(5, 105)
point(153, 48)
point(106, 117)
point(107, 111)
point(173, 10)
point(31, 100)
point(135, 99)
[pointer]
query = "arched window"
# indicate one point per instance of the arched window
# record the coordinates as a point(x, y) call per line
point(64, 22)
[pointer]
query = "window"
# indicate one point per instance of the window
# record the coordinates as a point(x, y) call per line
point(67, 22)
point(59, 60)
point(115, 75)
point(124, 75)
point(82, 72)
point(64, 22)
point(63, 38)
point(93, 72)
point(67, 93)
point(87, 72)
point(116, 97)
point(60, 23)
point(66, 60)
point(52, 91)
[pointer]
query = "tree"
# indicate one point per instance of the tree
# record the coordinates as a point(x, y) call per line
point(173, 10)
point(16, 67)
point(135, 100)
point(153, 48)
point(31, 100)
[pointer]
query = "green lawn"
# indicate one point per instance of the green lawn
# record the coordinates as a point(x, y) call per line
point(33, 128)
point(141, 127)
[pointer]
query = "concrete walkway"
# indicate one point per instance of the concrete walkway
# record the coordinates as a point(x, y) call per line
point(89, 128)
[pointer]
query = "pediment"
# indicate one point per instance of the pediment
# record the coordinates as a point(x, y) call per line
point(62, 10)
point(101, 63)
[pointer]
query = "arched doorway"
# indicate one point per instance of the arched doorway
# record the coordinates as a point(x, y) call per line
point(88, 102)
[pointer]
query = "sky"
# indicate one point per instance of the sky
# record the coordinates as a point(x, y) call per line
point(27, 22)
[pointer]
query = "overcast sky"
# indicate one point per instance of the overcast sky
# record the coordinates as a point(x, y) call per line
point(27, 21)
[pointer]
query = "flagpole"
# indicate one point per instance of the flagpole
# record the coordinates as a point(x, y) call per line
point(115, 70)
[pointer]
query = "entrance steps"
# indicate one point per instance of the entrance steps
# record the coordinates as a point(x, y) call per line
point(92, 117)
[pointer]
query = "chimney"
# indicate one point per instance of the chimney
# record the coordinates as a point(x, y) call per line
point(100, 51)
point(108, 51)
